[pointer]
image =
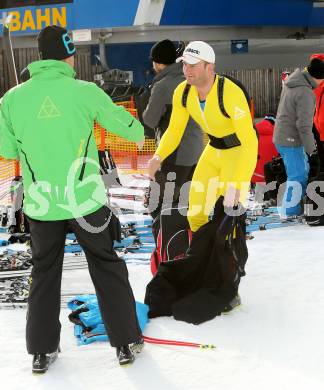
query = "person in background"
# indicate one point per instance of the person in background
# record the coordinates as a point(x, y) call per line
point(47, 124)
point(266, 148)
point(180, 164)
point(284, 75)
point(266, 151)
point(293, 136)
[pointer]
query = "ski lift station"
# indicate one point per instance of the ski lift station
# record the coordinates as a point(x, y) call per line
point(253, 39)
point(273, 339)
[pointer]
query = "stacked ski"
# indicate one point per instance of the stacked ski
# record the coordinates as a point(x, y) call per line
point(14, 290)
point(130, 197)
point(15, 260)
point(259, 219)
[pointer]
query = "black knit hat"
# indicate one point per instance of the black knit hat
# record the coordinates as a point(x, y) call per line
point(316, 68)
point(163, 52)
point(54, 43)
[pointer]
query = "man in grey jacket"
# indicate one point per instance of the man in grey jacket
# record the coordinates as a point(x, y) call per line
point(293, 134)
point(180, 165)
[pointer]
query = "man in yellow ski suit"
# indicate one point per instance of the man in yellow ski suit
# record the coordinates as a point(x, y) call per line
point(228, 161)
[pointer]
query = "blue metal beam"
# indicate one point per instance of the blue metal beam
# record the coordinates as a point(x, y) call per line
point(242, 13)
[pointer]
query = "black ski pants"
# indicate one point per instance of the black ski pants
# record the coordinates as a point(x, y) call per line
point(108, 273)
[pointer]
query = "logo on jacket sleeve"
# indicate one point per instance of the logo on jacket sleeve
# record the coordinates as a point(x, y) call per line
point(239, 113)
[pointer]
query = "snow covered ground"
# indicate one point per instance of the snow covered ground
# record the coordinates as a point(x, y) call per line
point(273, 341)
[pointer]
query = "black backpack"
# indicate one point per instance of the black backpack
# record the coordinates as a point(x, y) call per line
point(220, 93)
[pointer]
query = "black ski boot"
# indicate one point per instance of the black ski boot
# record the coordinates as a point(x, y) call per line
point(41, 361)
point(235, 302)
point(125, 355)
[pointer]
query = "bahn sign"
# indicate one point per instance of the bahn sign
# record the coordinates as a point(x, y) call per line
point(30, 20)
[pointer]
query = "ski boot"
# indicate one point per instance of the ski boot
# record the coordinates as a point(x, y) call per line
point(235, 302)
point(138, 345)
point(125, 355)
point(42, 361)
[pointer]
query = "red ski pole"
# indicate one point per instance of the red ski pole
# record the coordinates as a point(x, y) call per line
point(153, 340)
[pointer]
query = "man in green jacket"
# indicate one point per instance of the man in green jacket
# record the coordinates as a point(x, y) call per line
point(47, 123)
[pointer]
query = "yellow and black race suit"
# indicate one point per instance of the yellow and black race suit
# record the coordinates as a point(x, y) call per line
point(217, 168)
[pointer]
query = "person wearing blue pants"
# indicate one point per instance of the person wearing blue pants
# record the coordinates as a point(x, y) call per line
point(297, 169)
point(293, 134)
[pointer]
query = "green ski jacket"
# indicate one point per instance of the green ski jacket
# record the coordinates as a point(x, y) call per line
point(47, 123)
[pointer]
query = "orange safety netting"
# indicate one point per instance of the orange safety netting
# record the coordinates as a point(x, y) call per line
point(125, 153)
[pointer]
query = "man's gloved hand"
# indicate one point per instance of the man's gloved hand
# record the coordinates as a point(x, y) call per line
point(314, 164)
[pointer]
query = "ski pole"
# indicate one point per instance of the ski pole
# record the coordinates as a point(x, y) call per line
point(153, 340)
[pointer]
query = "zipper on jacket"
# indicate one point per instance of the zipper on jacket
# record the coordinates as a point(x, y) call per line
point(28, 165)
point(85, 158)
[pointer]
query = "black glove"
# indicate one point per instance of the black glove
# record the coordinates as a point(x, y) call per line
point(314, 165)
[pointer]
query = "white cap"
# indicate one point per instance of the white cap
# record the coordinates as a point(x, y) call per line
point(197, 51)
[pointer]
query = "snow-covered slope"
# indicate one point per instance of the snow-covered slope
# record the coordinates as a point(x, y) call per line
point(273, 341)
